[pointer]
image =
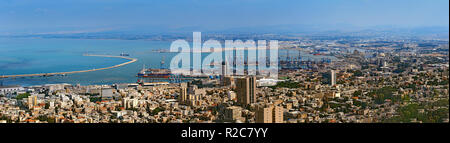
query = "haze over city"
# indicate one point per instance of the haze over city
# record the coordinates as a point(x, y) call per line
point(85, 16)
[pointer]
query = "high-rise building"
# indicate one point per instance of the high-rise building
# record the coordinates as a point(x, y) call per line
point(263, 115)
point(246, 90)
point(333, 77)
point(277, 114)
point(225, 78)
point(183, 93)
point(269, 114)
point(224, 69)
point(32, 101)
point(233, 113)
point(194, 99)
point(190, 94)
point(231, 95)
point(106, 93)
point(125, 102)
point(228, 81)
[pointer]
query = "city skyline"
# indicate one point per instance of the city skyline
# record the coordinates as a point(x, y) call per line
point(258, 62)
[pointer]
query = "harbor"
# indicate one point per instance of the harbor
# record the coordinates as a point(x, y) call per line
point(131, 60)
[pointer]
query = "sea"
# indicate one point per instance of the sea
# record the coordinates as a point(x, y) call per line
point(48, 55)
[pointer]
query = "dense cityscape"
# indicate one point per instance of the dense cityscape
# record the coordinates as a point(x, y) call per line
point(224, 70)
point(372, 80)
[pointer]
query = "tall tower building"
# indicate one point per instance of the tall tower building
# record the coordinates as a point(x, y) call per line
point(246, 90)
point(125, 102)
point(183, 93)
point(32, 101)
point(333, 77)
point(228, 81)
point(224, 69)
point(224, 74)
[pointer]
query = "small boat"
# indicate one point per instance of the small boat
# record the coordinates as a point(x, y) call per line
point(124, 54)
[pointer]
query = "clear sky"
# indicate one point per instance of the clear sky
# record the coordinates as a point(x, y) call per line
point(97, 15)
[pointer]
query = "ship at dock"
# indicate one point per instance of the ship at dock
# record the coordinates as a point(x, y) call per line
point(155, 73)
point(152, 75)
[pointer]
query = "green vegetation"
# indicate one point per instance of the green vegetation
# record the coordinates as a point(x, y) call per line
point(364, 66)
point(435, 82)
point(3, 118)
point(357, 73)
point(8, 120)
point(203, 118)
point(434, 60)
point(401, 67)
point(412, 111)
point(42, 118)
point(384, 93)
point(360, 104)
point(396, 59)
point(412, 86)
point(286, 84)
point(133, 109)
point(92, 94)
point(95, 99)
point(442, 102)
point(186, 121)
point(21, 96)
point(157, 110)
point(284, 78)
point(47, 105)
point(357, 93)
point(45, 118)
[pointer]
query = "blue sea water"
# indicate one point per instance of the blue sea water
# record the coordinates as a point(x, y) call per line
point(36, 55)
point(28, 56)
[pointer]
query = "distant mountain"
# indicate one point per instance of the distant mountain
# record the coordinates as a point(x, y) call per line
point(143, 31)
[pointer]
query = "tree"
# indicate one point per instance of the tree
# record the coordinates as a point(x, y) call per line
point(384, 93)
point(411, 111)
point(357, 93)
point(42, 118)
point(47, 105)
point(21, 96)
point(286, 84)
point(3, 118)
point(51, 120)
point(357, 73)
point(157, 110)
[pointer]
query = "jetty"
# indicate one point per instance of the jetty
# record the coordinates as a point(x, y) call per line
point(131, 60)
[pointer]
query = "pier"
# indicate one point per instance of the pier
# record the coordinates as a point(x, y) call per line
point(132, 60)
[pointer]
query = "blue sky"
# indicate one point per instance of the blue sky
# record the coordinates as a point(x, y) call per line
point(98, 15)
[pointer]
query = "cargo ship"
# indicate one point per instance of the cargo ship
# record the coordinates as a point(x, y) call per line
point(155, 73)
point(164, 75)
